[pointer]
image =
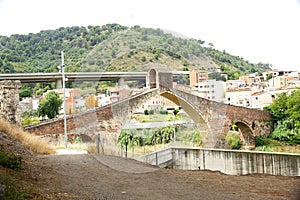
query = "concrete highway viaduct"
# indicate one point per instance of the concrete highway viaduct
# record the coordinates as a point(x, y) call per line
point(79, 77)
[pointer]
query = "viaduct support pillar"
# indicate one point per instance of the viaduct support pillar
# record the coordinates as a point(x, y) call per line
point(58, 84)
point(121, 82)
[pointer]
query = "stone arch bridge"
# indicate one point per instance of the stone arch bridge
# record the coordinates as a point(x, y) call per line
point(212, 118)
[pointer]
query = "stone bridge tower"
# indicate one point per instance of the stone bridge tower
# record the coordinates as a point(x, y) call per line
point(9, 101)
point(158, 78)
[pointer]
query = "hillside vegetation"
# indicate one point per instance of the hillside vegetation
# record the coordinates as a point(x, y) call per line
point(114, 47)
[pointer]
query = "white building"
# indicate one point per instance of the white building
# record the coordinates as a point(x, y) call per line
point(261, 99)
point(239, 97)
point(103, 99)
point(211, 89)
point(278, 82)
point(233, 84)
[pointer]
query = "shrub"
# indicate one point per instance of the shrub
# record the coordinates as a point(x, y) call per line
point(233, 140)
point(266, 144)
point(261, 141)
point(163, 112)
point(10, 160)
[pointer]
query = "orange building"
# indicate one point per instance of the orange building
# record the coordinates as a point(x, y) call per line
point(71, 96)
point(197, 77)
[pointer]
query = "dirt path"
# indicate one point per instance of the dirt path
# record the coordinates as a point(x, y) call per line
point(107, 177)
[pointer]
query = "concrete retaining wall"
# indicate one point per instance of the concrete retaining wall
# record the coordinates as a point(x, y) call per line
point(161, 158)
point(228, 161)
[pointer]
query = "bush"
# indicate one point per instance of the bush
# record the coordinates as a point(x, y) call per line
point(233, 140)
point(261, 141)
point(265, 144)
point(10, 160)
point(146, 112)
point(284, 135)
point(163, 112)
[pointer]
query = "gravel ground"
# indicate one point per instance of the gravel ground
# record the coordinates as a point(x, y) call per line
point(87, 176)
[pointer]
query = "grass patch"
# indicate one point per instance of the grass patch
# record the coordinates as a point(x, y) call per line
point(30, 141)
point(13, 189)
point(270, 145)
point(158, 117)
point(189, 137)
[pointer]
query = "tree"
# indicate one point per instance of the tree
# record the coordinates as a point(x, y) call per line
point(286, 116)
point(293, 107)
point(50, 106)
point(175, 112)
point(124, 139)
point(167, 133)
point(215, 75)
point(25, 93)
point(269, 76)
point(278, 108)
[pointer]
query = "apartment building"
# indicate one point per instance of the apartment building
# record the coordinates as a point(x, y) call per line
point(233, 84)
point(278, 82)
point(197, 77)
point(211, 89)
point(261, 99)
point(239, 97)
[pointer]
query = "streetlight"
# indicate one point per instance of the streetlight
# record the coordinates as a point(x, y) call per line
point(62, 68)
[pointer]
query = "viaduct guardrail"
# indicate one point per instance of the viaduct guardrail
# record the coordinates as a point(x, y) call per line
point(80, 76)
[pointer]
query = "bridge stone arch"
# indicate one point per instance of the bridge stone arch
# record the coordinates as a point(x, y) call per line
point(213, 119)
point(246, 133)
point(208, 117)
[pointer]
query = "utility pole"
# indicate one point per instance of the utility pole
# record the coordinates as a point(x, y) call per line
point(62, 68)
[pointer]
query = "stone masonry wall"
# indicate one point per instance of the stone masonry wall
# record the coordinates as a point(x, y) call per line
point(109, 119)
point(215, 119)
point(9, 101)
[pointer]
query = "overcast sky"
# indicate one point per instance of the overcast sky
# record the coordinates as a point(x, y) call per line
point(265, 31)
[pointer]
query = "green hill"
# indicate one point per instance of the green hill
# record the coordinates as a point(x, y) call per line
point(114, 47)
